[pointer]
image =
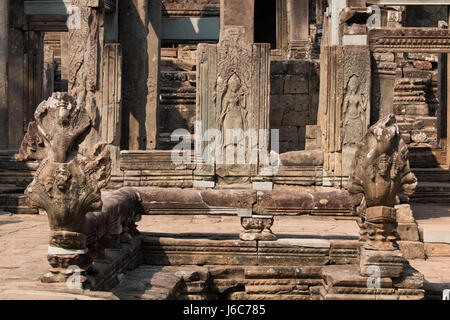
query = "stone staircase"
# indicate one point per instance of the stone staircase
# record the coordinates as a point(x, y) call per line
point(163, 283)
point(14, 178)
point(177, 94)
point(433, 186)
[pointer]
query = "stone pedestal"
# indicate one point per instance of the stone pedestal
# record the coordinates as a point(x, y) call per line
point(345, 283)
point(66, 262)
point(379, 251)
point(381, 262)
point(257, 228)
point(380, 224)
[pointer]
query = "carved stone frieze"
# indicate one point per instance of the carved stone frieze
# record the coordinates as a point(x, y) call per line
point(421, 40)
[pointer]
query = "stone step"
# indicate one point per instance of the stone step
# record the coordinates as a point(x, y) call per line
point(437, 249)
point(432, 174)
point(159, 283)
point(16, 203)
point(10, 188)
point(436, 192)
point(426, 157)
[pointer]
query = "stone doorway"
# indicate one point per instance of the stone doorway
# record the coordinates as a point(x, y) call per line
point(266, 22)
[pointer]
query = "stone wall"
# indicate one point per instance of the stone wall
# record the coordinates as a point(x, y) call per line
point(425, 16)
point(416, 100)
point(294, 98)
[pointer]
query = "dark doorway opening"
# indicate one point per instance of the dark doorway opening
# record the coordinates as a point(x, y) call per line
point(266, 22)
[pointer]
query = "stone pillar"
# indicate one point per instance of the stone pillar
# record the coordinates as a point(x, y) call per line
point(140, 28)
point(383, 83)
point(84, 58)
point(16, 107)
point(298, 21)
point(4, 50)
point(336, 7)
point(48, 81)
point(238, 13)
point(154, 57)
point(64, 56)
point(282, 25)
point(111, 107)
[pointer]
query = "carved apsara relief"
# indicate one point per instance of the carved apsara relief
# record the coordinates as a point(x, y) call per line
point(354, 108)
point(233, 89)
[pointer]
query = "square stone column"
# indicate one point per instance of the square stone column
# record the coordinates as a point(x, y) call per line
point(84, 47)
point(140, 35)
point(298, 17)
point(238, 13)
point(16, 68)
point(383, 82)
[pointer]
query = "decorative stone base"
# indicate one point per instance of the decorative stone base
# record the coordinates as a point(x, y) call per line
point(57, 275)
point(345, 283)
point(390, 263)
point(95, 271)
point(257, 228)
point(66, 262)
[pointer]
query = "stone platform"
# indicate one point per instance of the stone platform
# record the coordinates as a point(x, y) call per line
point(209, 240)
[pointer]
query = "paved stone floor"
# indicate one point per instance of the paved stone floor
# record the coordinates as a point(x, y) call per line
point(434, 220)
point(23, 247)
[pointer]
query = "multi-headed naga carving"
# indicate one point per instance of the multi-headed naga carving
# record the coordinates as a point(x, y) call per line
point(67, 185)
point(381, 171)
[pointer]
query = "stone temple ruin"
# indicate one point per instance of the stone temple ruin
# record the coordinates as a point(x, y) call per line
point(273, 123)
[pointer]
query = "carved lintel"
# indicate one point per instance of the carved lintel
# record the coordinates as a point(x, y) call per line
point(257, 228)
